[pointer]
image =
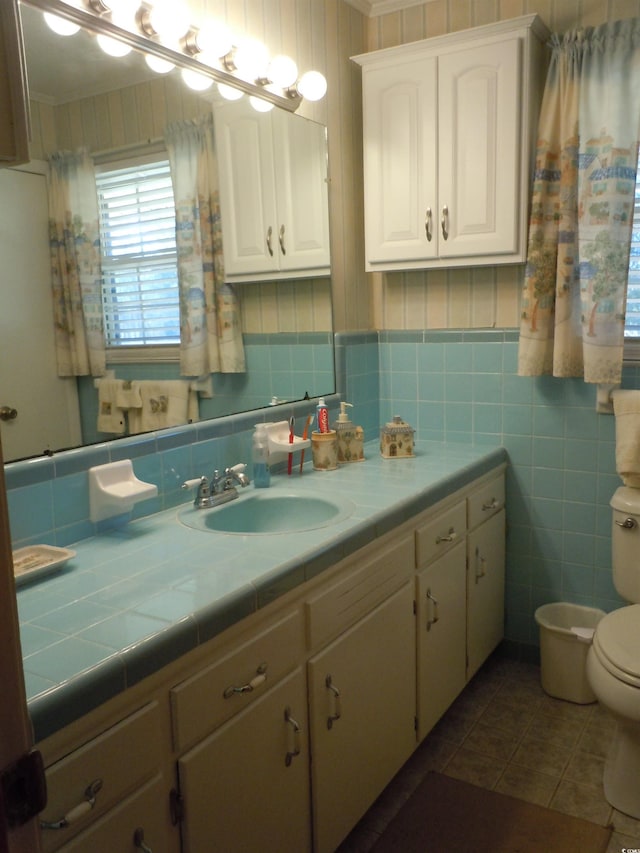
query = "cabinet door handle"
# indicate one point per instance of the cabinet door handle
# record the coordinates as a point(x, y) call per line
point(490, 506)
point(427, 224)
point(281, 239)
point(138, 841)
point(78, 811)
point(450, 537)
point(335, 694)
point(291, 754)
point(269, 235)
point(444, 221)
point(434, 618)
point(257, 681)
point(481, 565)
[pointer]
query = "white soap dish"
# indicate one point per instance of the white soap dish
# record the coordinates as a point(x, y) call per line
point(38, 560)
point(114, 489)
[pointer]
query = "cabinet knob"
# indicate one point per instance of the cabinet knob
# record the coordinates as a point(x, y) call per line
point(335, 694)
point(138, 841)
point(427, 224)
point(257, 681)
point(78, 811)
point(295, 727)
point(432, 619)
point(444, 222)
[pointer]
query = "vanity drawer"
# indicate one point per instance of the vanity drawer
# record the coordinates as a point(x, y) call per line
point(362, 589)
point(122, 758)
point(204, 701)
point(437, 535)
point(485, 502)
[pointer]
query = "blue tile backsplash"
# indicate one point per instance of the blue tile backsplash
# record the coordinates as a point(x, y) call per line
point(451, 386)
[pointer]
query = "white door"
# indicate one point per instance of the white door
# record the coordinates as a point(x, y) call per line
point(479, 152)
point(46, 405)
point(15, 728)
point(400, 161)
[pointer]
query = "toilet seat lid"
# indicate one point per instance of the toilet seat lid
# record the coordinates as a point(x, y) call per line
point(617, 642)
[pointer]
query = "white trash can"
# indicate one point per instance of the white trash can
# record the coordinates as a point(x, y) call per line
point(566, 632)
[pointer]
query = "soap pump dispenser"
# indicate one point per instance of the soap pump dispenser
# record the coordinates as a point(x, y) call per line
point(350, 437)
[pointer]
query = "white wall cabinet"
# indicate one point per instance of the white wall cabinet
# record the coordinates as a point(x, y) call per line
point(280, 733)
point(448, 148)
point(273, 194)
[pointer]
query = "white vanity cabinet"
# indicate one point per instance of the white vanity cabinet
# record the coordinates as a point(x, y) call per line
point(448, 146)
point(273, 194)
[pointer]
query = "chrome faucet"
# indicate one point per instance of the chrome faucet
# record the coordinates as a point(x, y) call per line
point(221, 488)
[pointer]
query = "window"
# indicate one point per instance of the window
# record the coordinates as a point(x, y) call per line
point(138, 255)
point(632, 317)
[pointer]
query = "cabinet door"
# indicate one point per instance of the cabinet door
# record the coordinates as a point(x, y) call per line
point(400, 161)
point(441, 627)
point(485, 590)
point(362, 716)
point(300, 148)
point(479, 149)
point(247, 190)
point(244, 788)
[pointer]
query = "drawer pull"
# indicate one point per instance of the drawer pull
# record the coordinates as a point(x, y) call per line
point(433, 619)
point(138, 841)
point(427, 224)
point(337, 711)
point(78, 811)
point(450, 537)
point(493, 505)
point(257, 681)
point(480, 565)
point(291, 754)
point(269, 247)
point(444, 222)
point(281, 239)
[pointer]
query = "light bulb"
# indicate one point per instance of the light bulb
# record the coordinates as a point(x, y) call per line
point(312, 85)
point(214, 39)
point(157, 64)
point(229, 93)
point(60, 25)
point(170, 19)
point(196, 81)
point(112, 46)
point(251, 58)
point(260, 105)
point(282, 71)
point(123, 12)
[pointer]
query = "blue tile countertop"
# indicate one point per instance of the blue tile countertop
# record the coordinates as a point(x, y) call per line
point(136, 598)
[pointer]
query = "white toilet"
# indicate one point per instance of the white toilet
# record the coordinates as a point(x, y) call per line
point(613, 662)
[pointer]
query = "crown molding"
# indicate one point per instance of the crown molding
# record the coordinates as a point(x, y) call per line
point(373, 8)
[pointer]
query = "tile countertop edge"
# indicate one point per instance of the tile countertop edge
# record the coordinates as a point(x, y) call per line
point(66, 702)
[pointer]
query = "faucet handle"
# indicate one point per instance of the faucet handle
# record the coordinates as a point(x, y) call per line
point(201, 484)
point(240, 468)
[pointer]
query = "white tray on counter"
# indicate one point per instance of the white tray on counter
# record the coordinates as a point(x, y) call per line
point(38, 560)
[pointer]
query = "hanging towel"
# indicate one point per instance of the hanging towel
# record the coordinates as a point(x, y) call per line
point(128, 395)
point(626, 407)
point(110, 416)
point(164, 404)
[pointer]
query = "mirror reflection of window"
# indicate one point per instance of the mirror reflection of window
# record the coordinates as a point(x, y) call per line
point(138, 254)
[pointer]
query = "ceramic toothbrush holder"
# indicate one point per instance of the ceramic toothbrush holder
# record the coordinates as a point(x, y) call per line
point(324, 450)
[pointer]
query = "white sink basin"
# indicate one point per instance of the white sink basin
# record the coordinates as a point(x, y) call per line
point(264, 512)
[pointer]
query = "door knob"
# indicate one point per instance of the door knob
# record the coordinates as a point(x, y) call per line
point(8, 413)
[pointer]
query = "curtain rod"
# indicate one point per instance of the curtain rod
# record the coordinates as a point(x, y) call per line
point(123, 150)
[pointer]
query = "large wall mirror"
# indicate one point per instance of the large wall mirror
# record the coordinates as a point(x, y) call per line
point(118, 110)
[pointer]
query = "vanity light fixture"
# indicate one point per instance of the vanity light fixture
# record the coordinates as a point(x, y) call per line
point(161, 29)
point(195, 80)
point(60, 26)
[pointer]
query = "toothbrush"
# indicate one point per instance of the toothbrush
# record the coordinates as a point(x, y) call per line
point(304, 436)
point(291, 424)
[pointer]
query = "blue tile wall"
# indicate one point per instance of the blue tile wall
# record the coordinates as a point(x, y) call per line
point(450, 385)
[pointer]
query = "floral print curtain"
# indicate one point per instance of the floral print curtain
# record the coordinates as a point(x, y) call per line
point(74, 245)
point(210, 327)
point(573, 307)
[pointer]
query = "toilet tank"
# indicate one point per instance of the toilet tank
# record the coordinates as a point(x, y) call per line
point(625, 543)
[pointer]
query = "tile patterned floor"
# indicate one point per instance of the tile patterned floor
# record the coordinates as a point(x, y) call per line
point(504, 733)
